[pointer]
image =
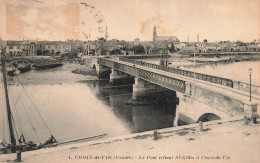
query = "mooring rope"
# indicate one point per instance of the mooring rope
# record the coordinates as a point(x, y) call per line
point(33, 128)
point(34, 106)
point(21, 130)
point(17, 98)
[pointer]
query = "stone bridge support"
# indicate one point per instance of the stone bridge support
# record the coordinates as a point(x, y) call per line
point(148, 93)
point(179, 101)
point(119, 78)
point(191, 110)
point(141, 87)
point(102, 71)
point(200, 101)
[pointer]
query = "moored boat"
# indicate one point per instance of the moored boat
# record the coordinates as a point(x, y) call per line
point(10, 71)
point(42, 66)
point(24, 68)
point(237, 60)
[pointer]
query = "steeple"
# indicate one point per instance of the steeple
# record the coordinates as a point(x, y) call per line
point(154, 33)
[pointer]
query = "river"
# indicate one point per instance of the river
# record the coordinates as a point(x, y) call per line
point(75, 106)
point(75, 109)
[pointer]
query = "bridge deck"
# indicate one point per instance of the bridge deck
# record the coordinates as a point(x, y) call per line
point(230, 92)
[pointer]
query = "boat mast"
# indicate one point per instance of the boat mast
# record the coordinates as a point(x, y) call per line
point(9, 113)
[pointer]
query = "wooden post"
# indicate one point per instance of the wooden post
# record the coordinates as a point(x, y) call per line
point(201, 126)
point(246, 120)
point(155, 135)
point(19, 156)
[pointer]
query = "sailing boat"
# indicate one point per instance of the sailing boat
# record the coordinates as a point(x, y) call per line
point(24, 68)
point(21, 144)
point(12, 147)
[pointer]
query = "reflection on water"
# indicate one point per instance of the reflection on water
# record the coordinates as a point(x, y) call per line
point(81, 109)
point(158, 113)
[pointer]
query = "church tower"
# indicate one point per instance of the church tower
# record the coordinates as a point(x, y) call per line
point(154, 33)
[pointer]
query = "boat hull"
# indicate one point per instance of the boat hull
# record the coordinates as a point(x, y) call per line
point(47, 66)
point(10, 72)
point(23, 69)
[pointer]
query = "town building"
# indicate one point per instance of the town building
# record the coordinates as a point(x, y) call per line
point(14, 48)
point(160, 39)
point(21, 48)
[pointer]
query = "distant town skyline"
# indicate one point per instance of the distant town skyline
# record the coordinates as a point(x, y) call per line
point(214, 20)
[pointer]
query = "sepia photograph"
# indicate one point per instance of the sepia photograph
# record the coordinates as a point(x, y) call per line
point(130, 81)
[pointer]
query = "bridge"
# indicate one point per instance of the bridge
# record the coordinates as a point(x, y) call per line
point(200, 94)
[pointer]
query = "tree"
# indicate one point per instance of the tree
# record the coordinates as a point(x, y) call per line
point(116, 51)
point(239, 43)
point(205, 40)
point(171, 48)
point(99, 43)
point(138, 49)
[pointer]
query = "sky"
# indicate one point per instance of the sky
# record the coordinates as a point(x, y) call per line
point(214, 20)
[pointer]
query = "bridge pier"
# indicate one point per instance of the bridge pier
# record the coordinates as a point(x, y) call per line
point(190, 89)
point(141, 87)
point(119, 78)
point(103, 72)
point(180, 101)
point(147, 93)
point(177, 112)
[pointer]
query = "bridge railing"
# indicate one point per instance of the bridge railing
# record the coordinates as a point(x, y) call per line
point(243, 86)
point(200, 76)
point(157, 78)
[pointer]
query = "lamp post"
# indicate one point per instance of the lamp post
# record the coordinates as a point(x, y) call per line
point(250, 75)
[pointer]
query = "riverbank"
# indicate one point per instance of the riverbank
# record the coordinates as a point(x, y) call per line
point(52, 76)
point(84, 70)
point(220, 141)
point(182, 61)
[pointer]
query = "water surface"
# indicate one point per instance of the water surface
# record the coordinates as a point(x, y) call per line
point(76, 109)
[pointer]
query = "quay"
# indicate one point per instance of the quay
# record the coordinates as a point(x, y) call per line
point(220, 141)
